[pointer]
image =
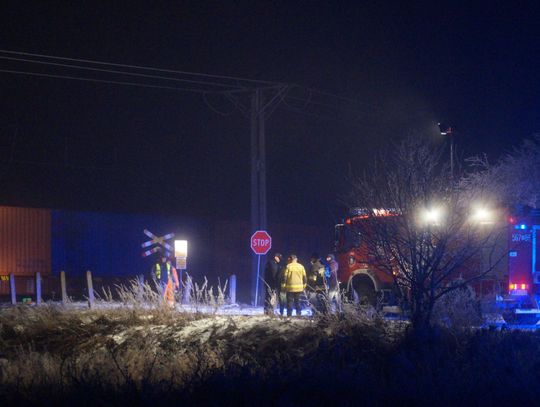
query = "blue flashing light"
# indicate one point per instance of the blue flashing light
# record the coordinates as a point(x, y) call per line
point(522, 226)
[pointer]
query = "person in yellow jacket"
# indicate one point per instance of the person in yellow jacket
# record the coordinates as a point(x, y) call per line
point(294, 283)
point(166, 279)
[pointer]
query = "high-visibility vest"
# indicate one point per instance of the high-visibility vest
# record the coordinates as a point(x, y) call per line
point(158, 271)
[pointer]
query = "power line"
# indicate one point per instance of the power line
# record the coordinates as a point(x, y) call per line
point(236, 87)
point(140, 67)
point(78, 78)
point(282, 90)
point(310, 101)
point(299, 110)
point(118, 72)
point(204, 93)
point(345, 99)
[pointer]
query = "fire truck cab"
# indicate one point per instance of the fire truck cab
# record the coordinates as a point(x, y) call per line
point(365, 282)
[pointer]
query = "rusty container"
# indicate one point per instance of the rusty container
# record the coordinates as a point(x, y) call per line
point(25, 241)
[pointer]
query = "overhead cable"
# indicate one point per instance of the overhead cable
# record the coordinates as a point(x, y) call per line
point(78, 78)
point(119, 72)
point(140, 67)
point(200, 85)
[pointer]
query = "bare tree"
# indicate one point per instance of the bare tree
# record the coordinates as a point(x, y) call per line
point(430, 238)
point(513, 180)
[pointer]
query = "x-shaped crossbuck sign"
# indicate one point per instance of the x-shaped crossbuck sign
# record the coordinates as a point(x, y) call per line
point(156, 240)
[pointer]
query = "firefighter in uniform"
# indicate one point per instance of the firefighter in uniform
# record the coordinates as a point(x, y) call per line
point(166, 279)
point(294, 284)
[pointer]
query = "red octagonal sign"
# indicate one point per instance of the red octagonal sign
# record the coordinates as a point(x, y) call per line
point(261, 242)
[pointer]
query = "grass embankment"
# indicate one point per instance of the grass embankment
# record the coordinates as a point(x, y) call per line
point(50, 356)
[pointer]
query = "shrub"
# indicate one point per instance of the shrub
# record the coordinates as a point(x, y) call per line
point(458, 309)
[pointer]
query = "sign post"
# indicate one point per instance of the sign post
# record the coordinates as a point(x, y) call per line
point(181, 253)
point(261, 243)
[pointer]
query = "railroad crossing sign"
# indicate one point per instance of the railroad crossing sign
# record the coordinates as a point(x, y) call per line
point(159, 241)
point(261, 242)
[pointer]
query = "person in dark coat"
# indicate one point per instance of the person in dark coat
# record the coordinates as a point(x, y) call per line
point(317, 284)
point(281, 292)
point(316, 279)
point(332, 280)
point(271, 282)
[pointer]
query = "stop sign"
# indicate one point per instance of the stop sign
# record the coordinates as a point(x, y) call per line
point(261, 242)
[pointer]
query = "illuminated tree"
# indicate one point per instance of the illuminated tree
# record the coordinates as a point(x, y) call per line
point(513, 180)
point(438, 238)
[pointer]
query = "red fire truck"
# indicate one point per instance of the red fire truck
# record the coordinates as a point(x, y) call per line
point(517, 284)
point(359, 273)
point(357, 270)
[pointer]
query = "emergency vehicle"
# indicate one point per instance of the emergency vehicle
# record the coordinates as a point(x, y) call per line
point(358, 272)
point(516, 288)
point(523, 266)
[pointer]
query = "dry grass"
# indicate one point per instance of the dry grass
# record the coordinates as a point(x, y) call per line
point(196, 296)
point(154, 350)
point(152, 354)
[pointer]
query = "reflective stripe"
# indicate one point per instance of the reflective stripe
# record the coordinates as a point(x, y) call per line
point(294, 287)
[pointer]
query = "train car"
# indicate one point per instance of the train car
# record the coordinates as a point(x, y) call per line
point(25, 247)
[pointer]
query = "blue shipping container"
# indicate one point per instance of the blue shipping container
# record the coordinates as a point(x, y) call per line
point(110, 244)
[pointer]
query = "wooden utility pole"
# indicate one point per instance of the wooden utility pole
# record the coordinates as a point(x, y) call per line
point(260, 110)
point(91, 298)
point(63, 289)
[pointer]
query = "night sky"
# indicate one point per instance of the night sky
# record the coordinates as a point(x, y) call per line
point(70, 144)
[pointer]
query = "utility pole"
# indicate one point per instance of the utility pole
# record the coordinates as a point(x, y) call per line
point(449, 131)
point(260, 107)
point(258, 178)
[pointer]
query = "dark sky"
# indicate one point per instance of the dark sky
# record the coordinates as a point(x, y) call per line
point(97, 146)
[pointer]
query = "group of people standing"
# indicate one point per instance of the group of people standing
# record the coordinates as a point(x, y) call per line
point(290, 282)
point(287, 279)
